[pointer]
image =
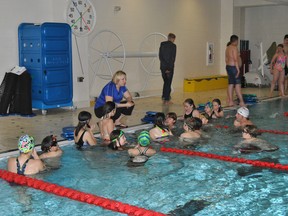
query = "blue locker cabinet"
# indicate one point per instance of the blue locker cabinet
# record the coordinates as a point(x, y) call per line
point(46, 51)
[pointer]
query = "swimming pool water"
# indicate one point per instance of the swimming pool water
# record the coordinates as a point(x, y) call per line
point(167, 180)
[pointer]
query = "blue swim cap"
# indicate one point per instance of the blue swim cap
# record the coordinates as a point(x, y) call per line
point(26, 143)
point(144, 138)
point(209, 104)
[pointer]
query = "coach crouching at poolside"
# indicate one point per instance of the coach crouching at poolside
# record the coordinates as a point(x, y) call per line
point(115, 91)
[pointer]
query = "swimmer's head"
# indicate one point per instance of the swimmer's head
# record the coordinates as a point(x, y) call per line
point(193, 123)
point(216, 104)
point(252, 130)
point(171, 115)
point(108, 107)
point(48, 142)
point(217, 101)
point(190, 102)
point(280, 45)
point(243, 111)
point(144, 138)
point(233, 38)
point(159, 119)
point(170, 119)
point(84, 117)
point(26, 144)
point(117, 138)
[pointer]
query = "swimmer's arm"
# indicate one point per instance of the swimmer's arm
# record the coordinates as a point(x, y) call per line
point(236, 123)
point(153, 137)
point(35, 155)
point(90, 138)
point(110, 127)
point(235, 59)
point(273, 62)
point(239, 60)
point(58, 153)
point(219, 114)
point(41, 165)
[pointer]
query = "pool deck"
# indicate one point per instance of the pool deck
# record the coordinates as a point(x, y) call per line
point(39, 126)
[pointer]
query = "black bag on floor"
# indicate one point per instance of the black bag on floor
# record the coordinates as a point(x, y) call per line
point(7, 90)
point(21, 102)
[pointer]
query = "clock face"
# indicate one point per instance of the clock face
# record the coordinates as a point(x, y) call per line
point(81, 16)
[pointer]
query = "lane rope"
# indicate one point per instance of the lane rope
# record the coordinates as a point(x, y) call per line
point(260, 130)
point(92, 199)
point(255, 163)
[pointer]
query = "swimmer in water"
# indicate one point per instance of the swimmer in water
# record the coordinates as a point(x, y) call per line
point(143, 146)
point(192, 128)
point(28, 163)
point(83, 133)
point(106, 123)
point(50, 148)
point(251, 143)
point(242, 117)
point(160, 130)
point(117, 140)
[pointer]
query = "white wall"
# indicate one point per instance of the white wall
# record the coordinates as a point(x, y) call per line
point(226, 30)
point(12, 13)
point(265, 24)
point(195, 22)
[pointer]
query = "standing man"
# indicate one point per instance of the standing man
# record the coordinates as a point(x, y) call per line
point(167, 55)
point(233, 71)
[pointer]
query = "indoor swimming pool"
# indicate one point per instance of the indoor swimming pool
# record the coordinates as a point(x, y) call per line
point(169, 183)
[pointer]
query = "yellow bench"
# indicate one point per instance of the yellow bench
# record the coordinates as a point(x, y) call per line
point(205, 83)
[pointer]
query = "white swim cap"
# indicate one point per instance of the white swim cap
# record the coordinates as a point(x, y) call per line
point(243, 111)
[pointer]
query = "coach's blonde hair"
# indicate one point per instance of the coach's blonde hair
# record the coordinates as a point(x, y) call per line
point(117, 75)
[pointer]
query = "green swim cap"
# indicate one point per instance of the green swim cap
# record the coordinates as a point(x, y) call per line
point(144, 138)
point(26, 143)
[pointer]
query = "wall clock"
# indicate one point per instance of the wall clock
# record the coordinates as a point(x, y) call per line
point(81, 16)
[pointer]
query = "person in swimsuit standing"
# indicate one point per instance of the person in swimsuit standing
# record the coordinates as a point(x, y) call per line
point(233, 71)
point(28, 163)
point(285, 47)
point(83, 134)
point(278, 63)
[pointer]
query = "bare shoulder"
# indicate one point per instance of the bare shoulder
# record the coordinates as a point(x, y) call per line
point(11, 161)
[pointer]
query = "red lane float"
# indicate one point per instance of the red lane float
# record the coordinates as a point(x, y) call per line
point(256, 163)
point(260, 130)
point(77, 195)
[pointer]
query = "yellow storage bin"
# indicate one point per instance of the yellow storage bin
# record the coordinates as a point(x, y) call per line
point(205, 83)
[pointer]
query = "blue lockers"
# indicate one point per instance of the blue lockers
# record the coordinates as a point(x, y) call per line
point(46, 51)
